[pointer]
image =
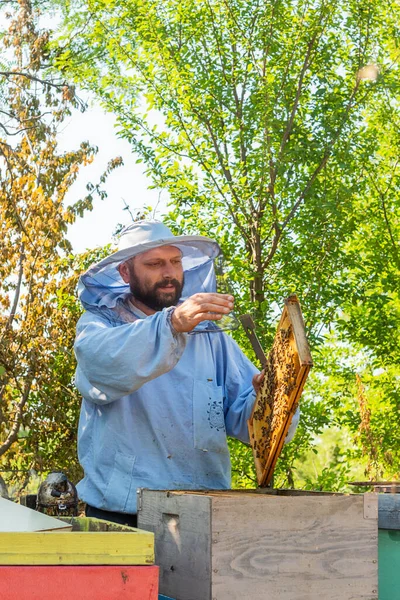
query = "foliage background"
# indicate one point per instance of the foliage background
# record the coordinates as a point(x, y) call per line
point(39, 404)
point(274, 127)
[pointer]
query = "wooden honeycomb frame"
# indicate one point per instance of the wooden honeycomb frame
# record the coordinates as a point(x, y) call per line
point(286, 371)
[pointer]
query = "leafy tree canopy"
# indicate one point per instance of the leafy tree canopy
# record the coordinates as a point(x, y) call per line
point(274, 126)
point(38, 402)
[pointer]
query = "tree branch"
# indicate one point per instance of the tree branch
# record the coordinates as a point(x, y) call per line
point(382, 196)
point(13, 433)
point(306, 63)
point(327, 154)
point(58, 86)
point(17, 293)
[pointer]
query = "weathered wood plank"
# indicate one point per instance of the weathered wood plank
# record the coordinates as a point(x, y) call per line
point(301, 548)
point(181, 524)
point(86, 583)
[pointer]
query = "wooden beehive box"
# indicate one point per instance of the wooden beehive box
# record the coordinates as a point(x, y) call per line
point(90, 560)
point(237, 545)
point(90, 542)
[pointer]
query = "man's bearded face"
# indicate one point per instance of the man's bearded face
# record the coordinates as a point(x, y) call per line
point(156, 277)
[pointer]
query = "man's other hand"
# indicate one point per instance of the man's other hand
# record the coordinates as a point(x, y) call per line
point(257, 381)
point(201, 307)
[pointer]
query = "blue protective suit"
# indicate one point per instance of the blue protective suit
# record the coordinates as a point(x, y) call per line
point(157, 408)
point(157, 405)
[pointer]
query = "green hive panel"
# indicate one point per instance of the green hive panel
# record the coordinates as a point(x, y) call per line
point(389, 564)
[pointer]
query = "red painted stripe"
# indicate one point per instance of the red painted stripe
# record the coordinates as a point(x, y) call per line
point(78, 582)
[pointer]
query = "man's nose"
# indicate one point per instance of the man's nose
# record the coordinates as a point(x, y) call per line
point(169, 272)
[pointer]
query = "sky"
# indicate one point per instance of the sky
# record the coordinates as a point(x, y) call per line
point(127, 183)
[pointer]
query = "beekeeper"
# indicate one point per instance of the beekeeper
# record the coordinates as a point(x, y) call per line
point(162, 386)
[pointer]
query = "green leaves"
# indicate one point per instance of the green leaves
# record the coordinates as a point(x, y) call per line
point(256, 118)
point(39, 405)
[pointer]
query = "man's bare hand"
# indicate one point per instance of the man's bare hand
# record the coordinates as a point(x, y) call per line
point(257, 381)
point(201, 307)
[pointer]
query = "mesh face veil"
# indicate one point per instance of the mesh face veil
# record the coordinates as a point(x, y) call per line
point(102, 290)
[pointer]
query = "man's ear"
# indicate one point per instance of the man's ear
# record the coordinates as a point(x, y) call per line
point(124, 272)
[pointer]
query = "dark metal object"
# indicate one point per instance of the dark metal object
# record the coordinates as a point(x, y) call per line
point(57, 496)
point(249, 328)
point(29, 500)
point(389, 511)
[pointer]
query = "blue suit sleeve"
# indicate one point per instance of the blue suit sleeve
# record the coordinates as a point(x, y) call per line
point(116, 361)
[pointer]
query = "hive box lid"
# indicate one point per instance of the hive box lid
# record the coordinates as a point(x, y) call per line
point(15, 517)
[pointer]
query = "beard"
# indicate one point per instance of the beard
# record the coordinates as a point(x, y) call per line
point(152, 296)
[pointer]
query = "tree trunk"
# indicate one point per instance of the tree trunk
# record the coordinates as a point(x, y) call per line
point(3, 489)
